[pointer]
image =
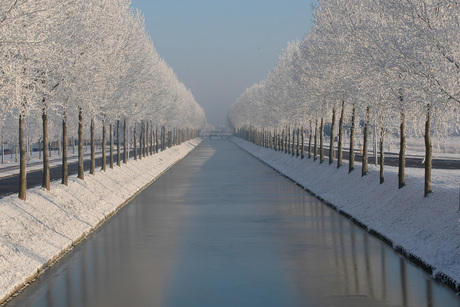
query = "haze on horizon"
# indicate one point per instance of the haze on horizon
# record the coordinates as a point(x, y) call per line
point(220, 48)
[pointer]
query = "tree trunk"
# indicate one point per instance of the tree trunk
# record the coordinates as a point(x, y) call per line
point(147, 140)
point(169, 138)
point(340, 144)
point(141, 135)
point(351, 165)
point(267, 139)
point(118, 144)
point(3, 150)
point(104, 141)
point(92, 169)
point(331, 143)
point(315, 148)
point(271, 142)
point(111, 145)
point(282, 141)
point(297, 150)
point(163, 138)
point(285, 140)
point(46, 158)
point(375, 144)
point(402, 152)
point(365, 165)
point(279, 137)
point(144, 140)
point(382, 155)
point(263, 138)
point(321, 141)
point(81, 170)
point(65, 169)
point(153, 140)
point(293, 142)
point(156, 140)
point(179, 137)
point(125, 144)
point(309, 141)
point(302, 152)
point(135, 140)
point(22, 164)
point(428, 153)
point(289, 140)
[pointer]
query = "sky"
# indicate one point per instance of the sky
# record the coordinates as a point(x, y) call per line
point(218, 48)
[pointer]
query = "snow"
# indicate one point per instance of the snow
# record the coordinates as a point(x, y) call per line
point(36, 232)
point(425, 229)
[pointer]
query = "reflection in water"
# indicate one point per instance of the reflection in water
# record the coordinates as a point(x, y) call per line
point(222, 229)
point(349, 267)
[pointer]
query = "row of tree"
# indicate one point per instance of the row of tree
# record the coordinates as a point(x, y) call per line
point(389, 64)
point(64, 63)
point(292, 141)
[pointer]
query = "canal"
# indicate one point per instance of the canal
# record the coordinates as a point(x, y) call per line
point(220, 228)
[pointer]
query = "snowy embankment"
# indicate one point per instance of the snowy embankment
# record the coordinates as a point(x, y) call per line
point(425, 229)
point(36, 232)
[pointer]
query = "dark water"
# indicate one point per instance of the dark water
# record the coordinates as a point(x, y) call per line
point(222, 229)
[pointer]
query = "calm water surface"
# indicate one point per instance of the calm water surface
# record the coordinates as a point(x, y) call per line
point(220, 228)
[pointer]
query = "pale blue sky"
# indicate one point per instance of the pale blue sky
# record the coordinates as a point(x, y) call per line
point(219, 48)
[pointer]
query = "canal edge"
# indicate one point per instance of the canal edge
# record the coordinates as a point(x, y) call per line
point(66, 250)
point(428, 268)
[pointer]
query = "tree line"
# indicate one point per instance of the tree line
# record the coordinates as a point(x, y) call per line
point(66, 63)
point(385, 64)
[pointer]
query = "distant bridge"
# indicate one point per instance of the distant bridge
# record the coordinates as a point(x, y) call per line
point(218, 134)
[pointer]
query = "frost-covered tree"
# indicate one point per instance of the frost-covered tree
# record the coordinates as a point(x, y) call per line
point(392, 65)
point(88, 59)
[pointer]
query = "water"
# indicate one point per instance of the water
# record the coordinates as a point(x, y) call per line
point(220, 228)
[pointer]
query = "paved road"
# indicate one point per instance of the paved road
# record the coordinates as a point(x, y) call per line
point(393, 160)
point(10, 185)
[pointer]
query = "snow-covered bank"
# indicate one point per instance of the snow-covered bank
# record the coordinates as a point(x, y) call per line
point(427, 230)
point(36, 232)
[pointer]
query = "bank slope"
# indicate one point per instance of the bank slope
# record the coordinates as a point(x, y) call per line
point(425, 229)
point(36, 232)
